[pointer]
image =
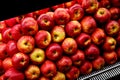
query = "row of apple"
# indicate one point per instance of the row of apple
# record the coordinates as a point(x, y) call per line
point(62, 42)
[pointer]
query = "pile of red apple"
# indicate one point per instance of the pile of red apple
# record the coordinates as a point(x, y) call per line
point(62, 42)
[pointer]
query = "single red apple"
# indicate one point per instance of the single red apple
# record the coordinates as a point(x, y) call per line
point(76, 12)
point(110, 57)
point(26, 44)
point(73, 28)
point(64, 64)
point(42, 38)
point(20, 60)
point(61, 16)
point(78, 58)
point(88, 24)
point(48, 69)
point(69, 46)
point(32, 72)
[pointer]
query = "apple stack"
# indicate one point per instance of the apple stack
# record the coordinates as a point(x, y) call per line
point(62, 42)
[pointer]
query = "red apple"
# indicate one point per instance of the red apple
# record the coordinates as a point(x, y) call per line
point(90, 6)
point(83, 40)
point(2, 77)
point(11, 48)
point(69, 46)
point(86, 68)
point(32, 72)
point(59, 76)
point(3, 53)
point(7, 63)
point(105, 3)
point(6, 35)
point(43, 78)
point(16, 32)
point(64, 64)
point(88, 24)
point(42, 38)
point(115, 3)
point(1, 69)
point(58, 34)
point(11, 21)
point(98, 36)
point(2, 26)
point(48, 69)
point(78, 58)
point(102, 15)
point(73, 28)
point(45, 22)
point(54, 51)
point(62, 5)
point(92, 52)
point(61, 16)
point(112, 28)
point(110, 57)
point(29, 26)
point(50, 13)
point(98, 63)
point(13, 74)
point(73, 73)
point(37, 56)
point(109, 44)
point(76, 12)
point(69, 3)
point(118, 52)
point(26, 44)
point(114, 13)
point(20, 60)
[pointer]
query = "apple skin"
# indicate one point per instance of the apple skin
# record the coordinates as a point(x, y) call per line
point(109, 44)
point(90, 6)
point(1, 68)
point(92, 52)
point(78, 58)
point(62, 5)
point(112, 28)
point(37, 56)
point(83, 40)
point(59, 76)
point(69, 3)
point(45, 22)
point(58, 34)
point(118, 52)
point(42, 38)
point(3, 53)
point(26, 44)
point(86, 68)
point(73, 73)
point(13, 74)
point(11, 48)
point(29, 26)
point(11, 21)
point(32, 72)
point(1, 38)
point(64, 64)
point(43, 78)
point(69, 46)
point(6, 35)
point(54, 51)
point(98, 36)
point(2, 26)
point(117, 38)
point(61, 16)
point(48, 69)
point(114, 13)
point(76, 12)
point(105, 3)
point(73, 28)
point(110, 57)
point(16, 32)
point(7, 63)
point(2, 77)
point(98, 63)
point(102, 15)
point(20, 61)
point(88, 24)
point(115, 3)
point(50, 13)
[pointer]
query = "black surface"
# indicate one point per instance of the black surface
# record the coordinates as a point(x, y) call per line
point(12, 8)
